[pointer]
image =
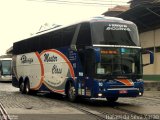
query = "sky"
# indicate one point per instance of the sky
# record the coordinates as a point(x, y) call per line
point(21, 18)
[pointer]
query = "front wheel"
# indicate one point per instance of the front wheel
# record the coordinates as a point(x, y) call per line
point(71, 92)
point(112, 99)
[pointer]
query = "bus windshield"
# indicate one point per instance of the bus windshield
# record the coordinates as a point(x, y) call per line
point(119, 62)
point(6, 67)
point(112, 33)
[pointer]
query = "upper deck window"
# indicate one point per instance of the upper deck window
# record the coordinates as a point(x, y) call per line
point(114, 33)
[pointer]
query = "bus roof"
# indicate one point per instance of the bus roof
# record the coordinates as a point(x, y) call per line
point(44, 40)
point(91, 20)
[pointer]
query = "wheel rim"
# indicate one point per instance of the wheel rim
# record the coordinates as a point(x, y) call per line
point(27, 88)
point(71, 93)
point(22, 86)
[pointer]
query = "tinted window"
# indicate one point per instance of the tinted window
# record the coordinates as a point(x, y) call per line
point(54, 39)
point(84, 36)
point(68, 34)
point(114, 33)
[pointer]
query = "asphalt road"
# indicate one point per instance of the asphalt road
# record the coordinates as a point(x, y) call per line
point(53, 106)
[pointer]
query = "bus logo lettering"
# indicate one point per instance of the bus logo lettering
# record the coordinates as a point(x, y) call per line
point(48, 58)
point(118, 27)
point(56, 70)
point(24, 60)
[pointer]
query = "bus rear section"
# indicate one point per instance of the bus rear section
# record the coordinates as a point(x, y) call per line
point(5, 69)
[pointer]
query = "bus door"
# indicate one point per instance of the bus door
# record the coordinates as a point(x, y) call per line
point(87, 60)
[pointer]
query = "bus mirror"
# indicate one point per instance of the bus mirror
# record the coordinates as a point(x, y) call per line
point(73, 47)
point(151, 57)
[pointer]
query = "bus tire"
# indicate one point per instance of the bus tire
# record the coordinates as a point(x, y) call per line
point(112, 99)
point(28, 89)
point(22, 87)
point(71, 92)
point(27, 86)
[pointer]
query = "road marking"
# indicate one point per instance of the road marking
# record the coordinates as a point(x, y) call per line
point(4, 114)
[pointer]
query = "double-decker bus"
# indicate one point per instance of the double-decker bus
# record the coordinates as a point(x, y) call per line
point(96, 58)
point(5, 69)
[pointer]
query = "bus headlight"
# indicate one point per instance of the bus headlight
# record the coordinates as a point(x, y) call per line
point(139, 80)
point(100, 84)
point(99, 94)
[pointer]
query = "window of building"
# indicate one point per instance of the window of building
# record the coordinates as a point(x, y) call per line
point(157, 49)
point(150, 49)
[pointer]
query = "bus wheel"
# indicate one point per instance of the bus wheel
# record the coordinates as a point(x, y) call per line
point(22, 87)
point(112, 99)
point(27, 87)
point(71, 92)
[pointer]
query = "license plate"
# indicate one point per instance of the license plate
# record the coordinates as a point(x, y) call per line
point(123, 91)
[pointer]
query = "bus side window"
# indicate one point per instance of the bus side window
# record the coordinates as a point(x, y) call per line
point(56, 41)
point(82, 59)
point(89, 62)
point(84, 39)
point(68, 34)
point(84, 36)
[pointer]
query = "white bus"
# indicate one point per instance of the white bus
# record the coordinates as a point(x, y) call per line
point(96, 58)
point(5, 69)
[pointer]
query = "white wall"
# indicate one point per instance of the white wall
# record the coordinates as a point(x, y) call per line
point(147, 39)
point(151, 39)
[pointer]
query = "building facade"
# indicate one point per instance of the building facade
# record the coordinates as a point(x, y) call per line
point(150, 40)
point(147, 18)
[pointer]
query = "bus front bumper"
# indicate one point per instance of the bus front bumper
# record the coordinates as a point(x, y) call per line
point(119, 92)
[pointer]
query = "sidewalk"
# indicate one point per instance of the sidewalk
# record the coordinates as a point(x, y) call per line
point(151, 85)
